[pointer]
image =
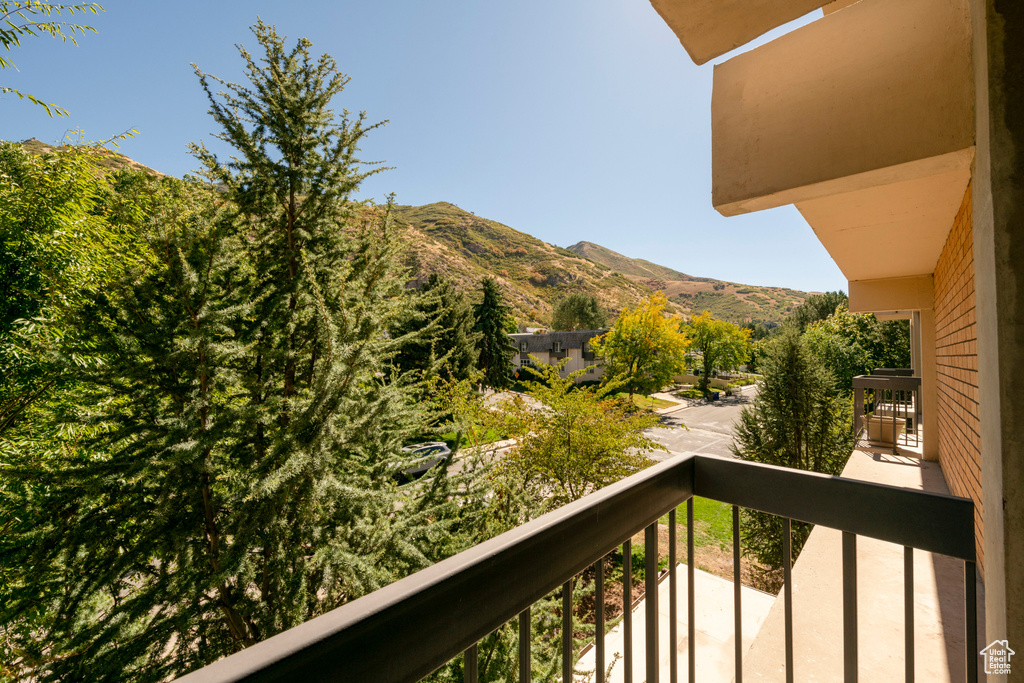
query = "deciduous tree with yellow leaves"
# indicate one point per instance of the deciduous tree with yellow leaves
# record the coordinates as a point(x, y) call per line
point(644, 348)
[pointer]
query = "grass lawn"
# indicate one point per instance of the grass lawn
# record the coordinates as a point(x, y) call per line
point(712, 523)
point(646, 402)
point(489, 437)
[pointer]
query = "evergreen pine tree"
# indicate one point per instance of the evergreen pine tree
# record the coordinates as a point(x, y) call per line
point(231, 470)
point(446, 345)
point(321, 426)
point(495, 346)
point(796, 420)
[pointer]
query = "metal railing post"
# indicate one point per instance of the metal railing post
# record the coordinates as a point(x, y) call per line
point(673, 608)
point(691, 628)
point(471, 662)
point(525, 658)
point(971, 619)
point(599, 620)
point(627, 610)
point(787, 588)
point(849, 607)
point(651, 600)
point(567, 654)
point(737, 592)
point(908, 611)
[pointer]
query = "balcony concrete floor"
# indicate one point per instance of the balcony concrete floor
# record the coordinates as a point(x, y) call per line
point(713, 619)
point(818, 610)
point(817, 600)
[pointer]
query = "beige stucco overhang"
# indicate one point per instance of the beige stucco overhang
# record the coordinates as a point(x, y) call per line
point(710, 28)
point(886, 295)
point(890, 230)
point(864, 120)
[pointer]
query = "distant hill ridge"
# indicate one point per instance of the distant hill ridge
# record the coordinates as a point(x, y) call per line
point(726, 300)
point(534, 275)
point(629, 266)
point(112, 161)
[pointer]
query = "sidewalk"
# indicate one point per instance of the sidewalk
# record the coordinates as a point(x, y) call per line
point(685, 403)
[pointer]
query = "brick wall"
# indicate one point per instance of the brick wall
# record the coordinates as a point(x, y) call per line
point(956, 355)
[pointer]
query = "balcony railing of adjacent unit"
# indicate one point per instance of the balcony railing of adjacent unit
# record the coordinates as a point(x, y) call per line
point(887, 404)
point(406, 630)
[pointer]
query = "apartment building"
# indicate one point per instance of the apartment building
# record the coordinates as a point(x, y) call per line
point(896, 128)
point(554, 347)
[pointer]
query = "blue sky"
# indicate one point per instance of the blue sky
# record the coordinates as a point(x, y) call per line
point(566, 119)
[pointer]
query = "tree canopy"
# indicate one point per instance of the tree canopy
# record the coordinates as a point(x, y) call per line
point(571, 440)
point(437, 339)
point(578, 311)
point(854, 344)
point(19, 19)
point(721, 344)
point(62, 241)
point(644, 348)
point(817, 307)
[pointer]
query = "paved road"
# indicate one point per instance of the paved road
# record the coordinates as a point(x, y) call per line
point(710, 427)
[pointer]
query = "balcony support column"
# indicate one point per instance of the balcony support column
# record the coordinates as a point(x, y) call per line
point(998, 214)
point(929, 381)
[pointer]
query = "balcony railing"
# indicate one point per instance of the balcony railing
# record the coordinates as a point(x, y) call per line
point(408, 629)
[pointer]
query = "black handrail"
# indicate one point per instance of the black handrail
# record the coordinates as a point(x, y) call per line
point(410, 628)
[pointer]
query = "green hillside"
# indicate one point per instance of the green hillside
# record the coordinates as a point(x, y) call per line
point(533, 274)
point(730, 301)
point(638, 268)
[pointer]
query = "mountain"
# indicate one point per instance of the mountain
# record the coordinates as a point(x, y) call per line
point(533, 275)
point(107, 158)
point(730, 301)
point(631, 267)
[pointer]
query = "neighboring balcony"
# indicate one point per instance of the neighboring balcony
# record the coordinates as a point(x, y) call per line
point(406, 630)
point(887, 410)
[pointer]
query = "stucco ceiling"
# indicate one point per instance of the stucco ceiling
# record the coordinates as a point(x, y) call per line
point(888, 231)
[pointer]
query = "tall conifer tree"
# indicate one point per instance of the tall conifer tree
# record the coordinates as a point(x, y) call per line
point(796, 420)
point(238, 428)
point(321, 427)
point(495, 346)
point(447, 344)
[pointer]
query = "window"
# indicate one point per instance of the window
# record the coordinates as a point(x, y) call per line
point(522, 347)
point(558, 346)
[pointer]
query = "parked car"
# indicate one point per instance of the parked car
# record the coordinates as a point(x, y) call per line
point(424, 456)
